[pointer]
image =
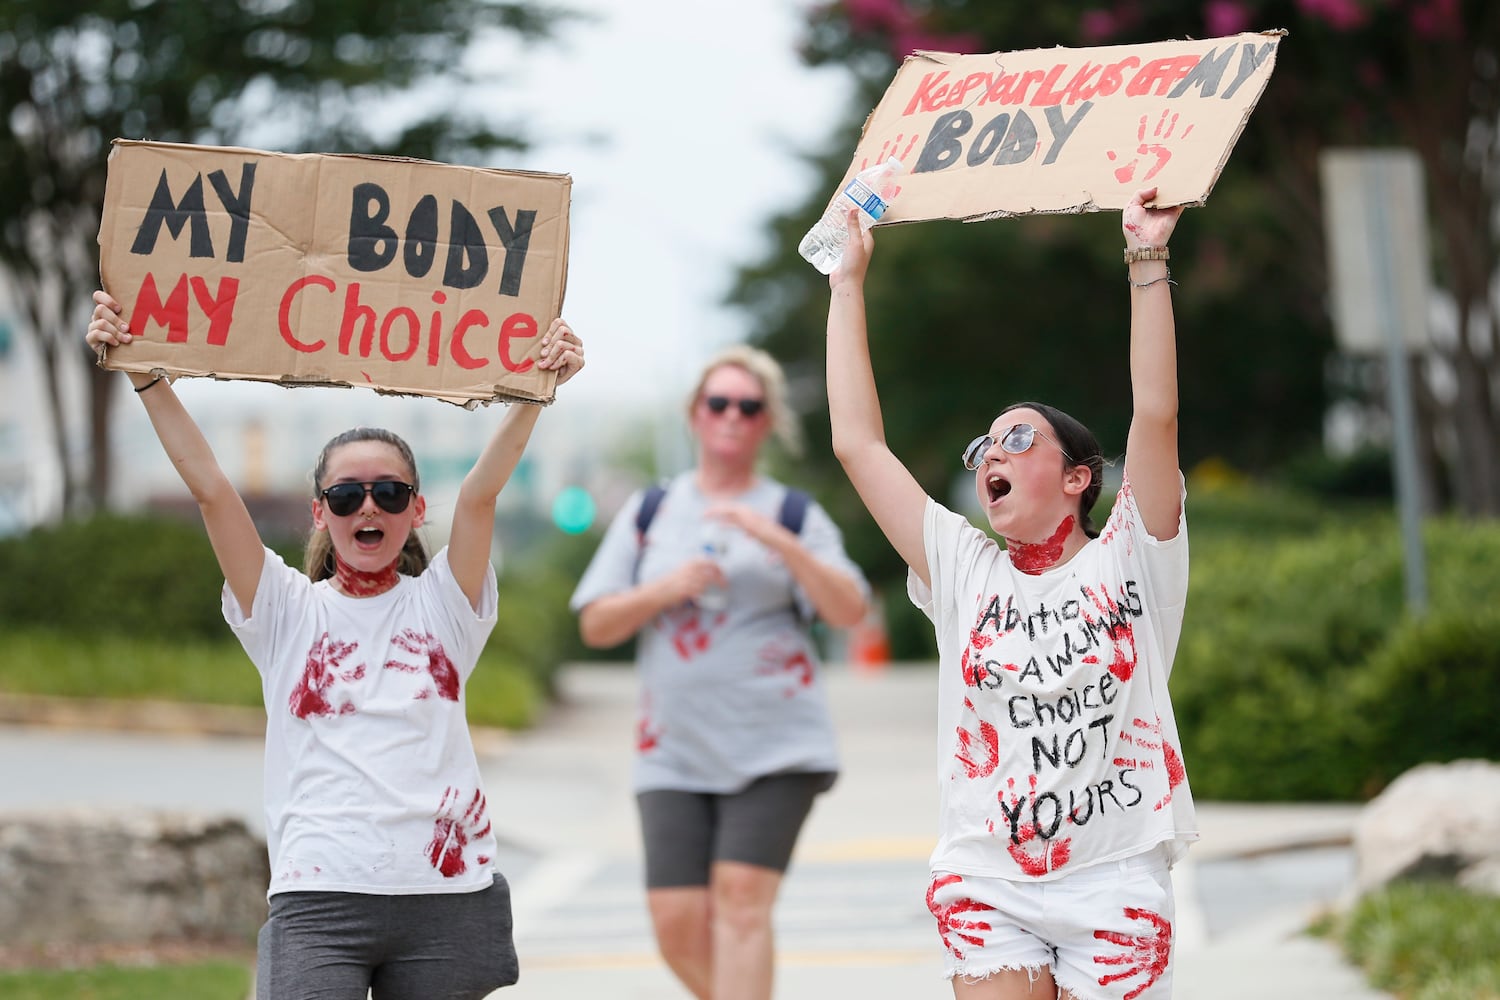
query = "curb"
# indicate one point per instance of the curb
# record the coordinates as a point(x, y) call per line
point(146, 715)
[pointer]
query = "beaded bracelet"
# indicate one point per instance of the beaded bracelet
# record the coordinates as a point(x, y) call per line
point(1146, 253)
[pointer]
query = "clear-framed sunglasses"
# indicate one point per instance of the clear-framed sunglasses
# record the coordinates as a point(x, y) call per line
point(1017, 439)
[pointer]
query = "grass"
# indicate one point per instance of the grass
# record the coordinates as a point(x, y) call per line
point(43, 662)
point(1425, 941)
point(214, 980)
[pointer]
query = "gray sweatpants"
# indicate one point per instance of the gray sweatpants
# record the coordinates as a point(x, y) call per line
point(348, 945)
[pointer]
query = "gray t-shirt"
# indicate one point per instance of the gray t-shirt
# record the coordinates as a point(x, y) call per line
point(730, 695)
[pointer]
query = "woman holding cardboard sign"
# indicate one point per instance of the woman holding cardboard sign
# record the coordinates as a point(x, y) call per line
point(718, 579)
point(1064, 800)
point(382, 854)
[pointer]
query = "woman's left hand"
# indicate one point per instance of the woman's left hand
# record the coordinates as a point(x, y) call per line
point(561, 351)
point(751, 522)
point(1145, 226)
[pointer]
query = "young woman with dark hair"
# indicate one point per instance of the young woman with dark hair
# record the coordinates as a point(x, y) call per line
point(1064, 801)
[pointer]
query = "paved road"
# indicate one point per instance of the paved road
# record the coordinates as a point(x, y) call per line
point(851, 917)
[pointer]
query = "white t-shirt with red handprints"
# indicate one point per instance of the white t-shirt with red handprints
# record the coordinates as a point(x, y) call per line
point(1057, 747)
point(371, 782)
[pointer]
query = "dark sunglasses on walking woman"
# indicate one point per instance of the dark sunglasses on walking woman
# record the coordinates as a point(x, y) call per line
point(1014, 441)
point(390, 495)
point(748, 407)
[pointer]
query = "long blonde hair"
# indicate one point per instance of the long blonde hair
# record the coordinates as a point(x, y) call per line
point(772, 381)
point(318, 561)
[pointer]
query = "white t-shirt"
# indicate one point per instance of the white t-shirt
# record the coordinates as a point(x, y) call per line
point(371, 783)
point(731, 695)
point(1057, 747)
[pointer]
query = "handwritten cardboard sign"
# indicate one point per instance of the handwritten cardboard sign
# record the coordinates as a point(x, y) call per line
point(401, 275)
point(1064, 130)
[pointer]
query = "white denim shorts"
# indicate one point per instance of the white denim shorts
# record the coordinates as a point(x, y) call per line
point(1104, 931)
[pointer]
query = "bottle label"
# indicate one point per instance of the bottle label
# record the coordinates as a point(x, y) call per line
point(868, 201)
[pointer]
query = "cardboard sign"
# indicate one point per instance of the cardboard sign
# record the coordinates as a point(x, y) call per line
point(402, 275)
point(1063, 130)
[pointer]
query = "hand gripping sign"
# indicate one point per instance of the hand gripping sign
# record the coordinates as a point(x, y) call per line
point(405, 276)
point(1064, 130)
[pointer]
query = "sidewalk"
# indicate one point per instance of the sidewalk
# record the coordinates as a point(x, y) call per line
point(851, 918)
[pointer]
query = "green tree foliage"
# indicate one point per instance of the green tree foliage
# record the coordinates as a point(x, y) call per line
point(322, 75)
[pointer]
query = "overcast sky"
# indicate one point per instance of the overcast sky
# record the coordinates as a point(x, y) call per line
point(679, 152)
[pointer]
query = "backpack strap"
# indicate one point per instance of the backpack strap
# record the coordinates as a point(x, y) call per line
point(793, 510)
point(649, 502)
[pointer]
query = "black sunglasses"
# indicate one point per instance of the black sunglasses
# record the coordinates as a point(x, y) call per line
point(1014, 441)
point(748, 407)
point(390, 495)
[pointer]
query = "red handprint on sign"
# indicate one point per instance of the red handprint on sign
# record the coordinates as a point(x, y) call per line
point(453, 832)
point(900, 147)
point(952, 918)
point(1166, 124)
point(1146, 954)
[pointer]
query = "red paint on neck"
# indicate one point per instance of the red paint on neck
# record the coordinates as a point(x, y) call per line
point(359, 583)
point(1034, 557)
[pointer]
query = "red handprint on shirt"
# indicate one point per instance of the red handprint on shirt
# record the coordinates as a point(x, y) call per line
point(977, 754)
point(1052, 852)
point(431, 657)
point(691, 634)
point(1166, 124)
point(312, 695)
point(952, 918)
point(1149, 736)
point(1146, 954)
point(1114, 620)
point(788, 658)
point(453, 832)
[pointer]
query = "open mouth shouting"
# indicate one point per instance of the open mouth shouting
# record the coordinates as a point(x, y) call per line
point(368, 537)
point(996, 487)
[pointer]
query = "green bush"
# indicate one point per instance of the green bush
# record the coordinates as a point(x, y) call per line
point(113, 575)
point(1300, 676)
point(1427, 941)
point(1430, 694)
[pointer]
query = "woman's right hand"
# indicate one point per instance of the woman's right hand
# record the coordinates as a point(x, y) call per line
point(107, 328)
point(690, 579)
point(857, 250)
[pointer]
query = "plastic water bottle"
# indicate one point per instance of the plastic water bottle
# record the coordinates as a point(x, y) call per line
point(870, 191)
point(714, 543)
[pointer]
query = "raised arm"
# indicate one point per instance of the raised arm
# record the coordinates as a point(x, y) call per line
point(893, 496)
point(1151, 450)
point(231, 532)
point(474, 511)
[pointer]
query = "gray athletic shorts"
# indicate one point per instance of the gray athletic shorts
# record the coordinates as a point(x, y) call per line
point(350, 945)
point(686, 832)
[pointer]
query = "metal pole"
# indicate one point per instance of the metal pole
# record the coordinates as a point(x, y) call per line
point(1403, 417)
